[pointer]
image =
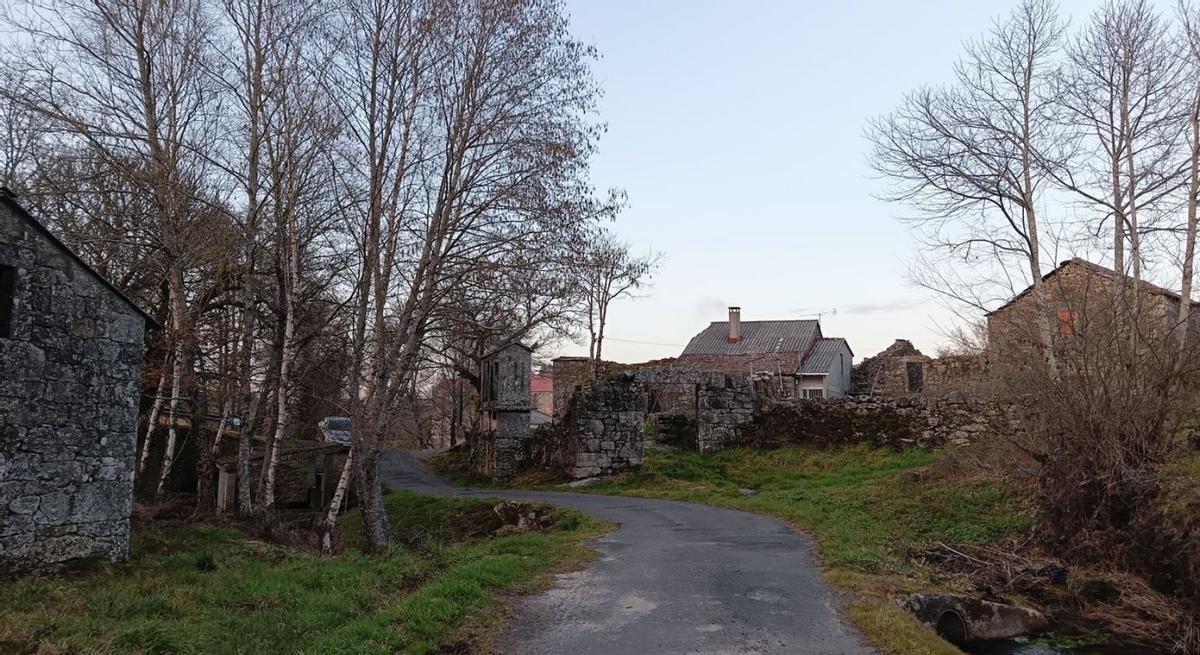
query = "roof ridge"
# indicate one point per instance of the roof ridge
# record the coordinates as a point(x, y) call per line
point(8, 197)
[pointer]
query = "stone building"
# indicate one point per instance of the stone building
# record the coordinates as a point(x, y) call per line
point(901, 370)
point(1079, 296)
point(70, 375)
point(789, 359)
point(897, 370)
point(506, 404)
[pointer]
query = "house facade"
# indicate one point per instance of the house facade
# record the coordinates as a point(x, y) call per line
point(1080, 297)
point(788, 359)
point(70, 379)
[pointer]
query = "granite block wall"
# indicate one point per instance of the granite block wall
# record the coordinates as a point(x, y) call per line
point(70, 365)
point(722, 410)
point(608, 420)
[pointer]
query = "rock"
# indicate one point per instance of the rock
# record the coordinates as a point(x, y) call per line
point(517, 517)
point(959, 619)
point(587, 482)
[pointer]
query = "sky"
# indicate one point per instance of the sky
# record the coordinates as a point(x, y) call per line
point(736, 129)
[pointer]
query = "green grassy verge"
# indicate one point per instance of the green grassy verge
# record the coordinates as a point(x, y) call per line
point(202, 589)
point(868, 510)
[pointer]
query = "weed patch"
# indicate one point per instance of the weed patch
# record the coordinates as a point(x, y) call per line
point(201, 589)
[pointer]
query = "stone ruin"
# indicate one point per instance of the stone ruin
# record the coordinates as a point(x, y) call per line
point(607, 424)
point(70, 374)
point(500, 447)
point(600, 426)
point(721, 411)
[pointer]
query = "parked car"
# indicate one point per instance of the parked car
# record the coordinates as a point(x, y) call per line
point(335, 429)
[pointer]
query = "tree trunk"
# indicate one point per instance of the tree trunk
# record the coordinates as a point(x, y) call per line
point(205, 471)
point(155, 410)
point(216, 444)
point(1189, 248)
point(370, 499)
point(176, 377)
point(335, 504)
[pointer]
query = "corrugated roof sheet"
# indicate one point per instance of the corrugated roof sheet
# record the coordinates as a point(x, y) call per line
point(822, 356)
point(756, 337)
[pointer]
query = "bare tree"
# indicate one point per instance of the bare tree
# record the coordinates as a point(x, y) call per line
point(469, 133)
point(1120, 100)
point(1189, 19)
point(970, 157)
point(610, 272)
point(126, 78)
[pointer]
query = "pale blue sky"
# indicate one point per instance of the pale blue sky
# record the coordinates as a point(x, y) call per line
point(737, 130)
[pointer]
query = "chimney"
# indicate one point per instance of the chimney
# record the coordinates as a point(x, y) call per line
point(735, 324)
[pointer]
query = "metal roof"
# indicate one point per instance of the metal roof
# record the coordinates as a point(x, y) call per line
point(822, 356)
point(757, 337)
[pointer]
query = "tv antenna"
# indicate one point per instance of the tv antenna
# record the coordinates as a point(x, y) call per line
point(807, 311)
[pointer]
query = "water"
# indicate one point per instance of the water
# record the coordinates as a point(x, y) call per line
point(1039, 648)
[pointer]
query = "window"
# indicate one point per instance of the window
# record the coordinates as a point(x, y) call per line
point(1066, 322)
point(8, 285)
point(814, 393)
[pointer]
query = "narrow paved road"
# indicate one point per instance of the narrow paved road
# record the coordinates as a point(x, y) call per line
point(673, 578)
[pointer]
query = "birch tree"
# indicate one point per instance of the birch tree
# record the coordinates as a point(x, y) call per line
point(298, 143)
point(126, 78)
point(1120, 101)
point(1189, 19)
point(970, 157)
point(470, 126)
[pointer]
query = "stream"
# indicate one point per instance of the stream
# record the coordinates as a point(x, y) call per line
point(1012, 647)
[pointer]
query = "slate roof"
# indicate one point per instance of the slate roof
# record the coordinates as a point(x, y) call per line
point(757, 337)
point(820, 359)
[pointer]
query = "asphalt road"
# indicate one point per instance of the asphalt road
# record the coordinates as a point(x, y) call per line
point(672, 578)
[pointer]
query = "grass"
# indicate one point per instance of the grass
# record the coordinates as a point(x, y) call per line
point(869, 511)
point(203, 589)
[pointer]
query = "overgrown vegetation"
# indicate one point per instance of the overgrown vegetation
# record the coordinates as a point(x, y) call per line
point(204, 589)
point(867, 508)
point(887, 522)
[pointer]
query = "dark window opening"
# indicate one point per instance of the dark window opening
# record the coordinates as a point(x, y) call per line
point(915, 372)
point(653, 405)
point(8, 285)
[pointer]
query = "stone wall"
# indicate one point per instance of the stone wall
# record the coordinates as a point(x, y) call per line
point(722, 411)
point(608, 421)
point(957, 374)
point(955, 419)
point(69, 386)
point(902, 370)
point(506, 407)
